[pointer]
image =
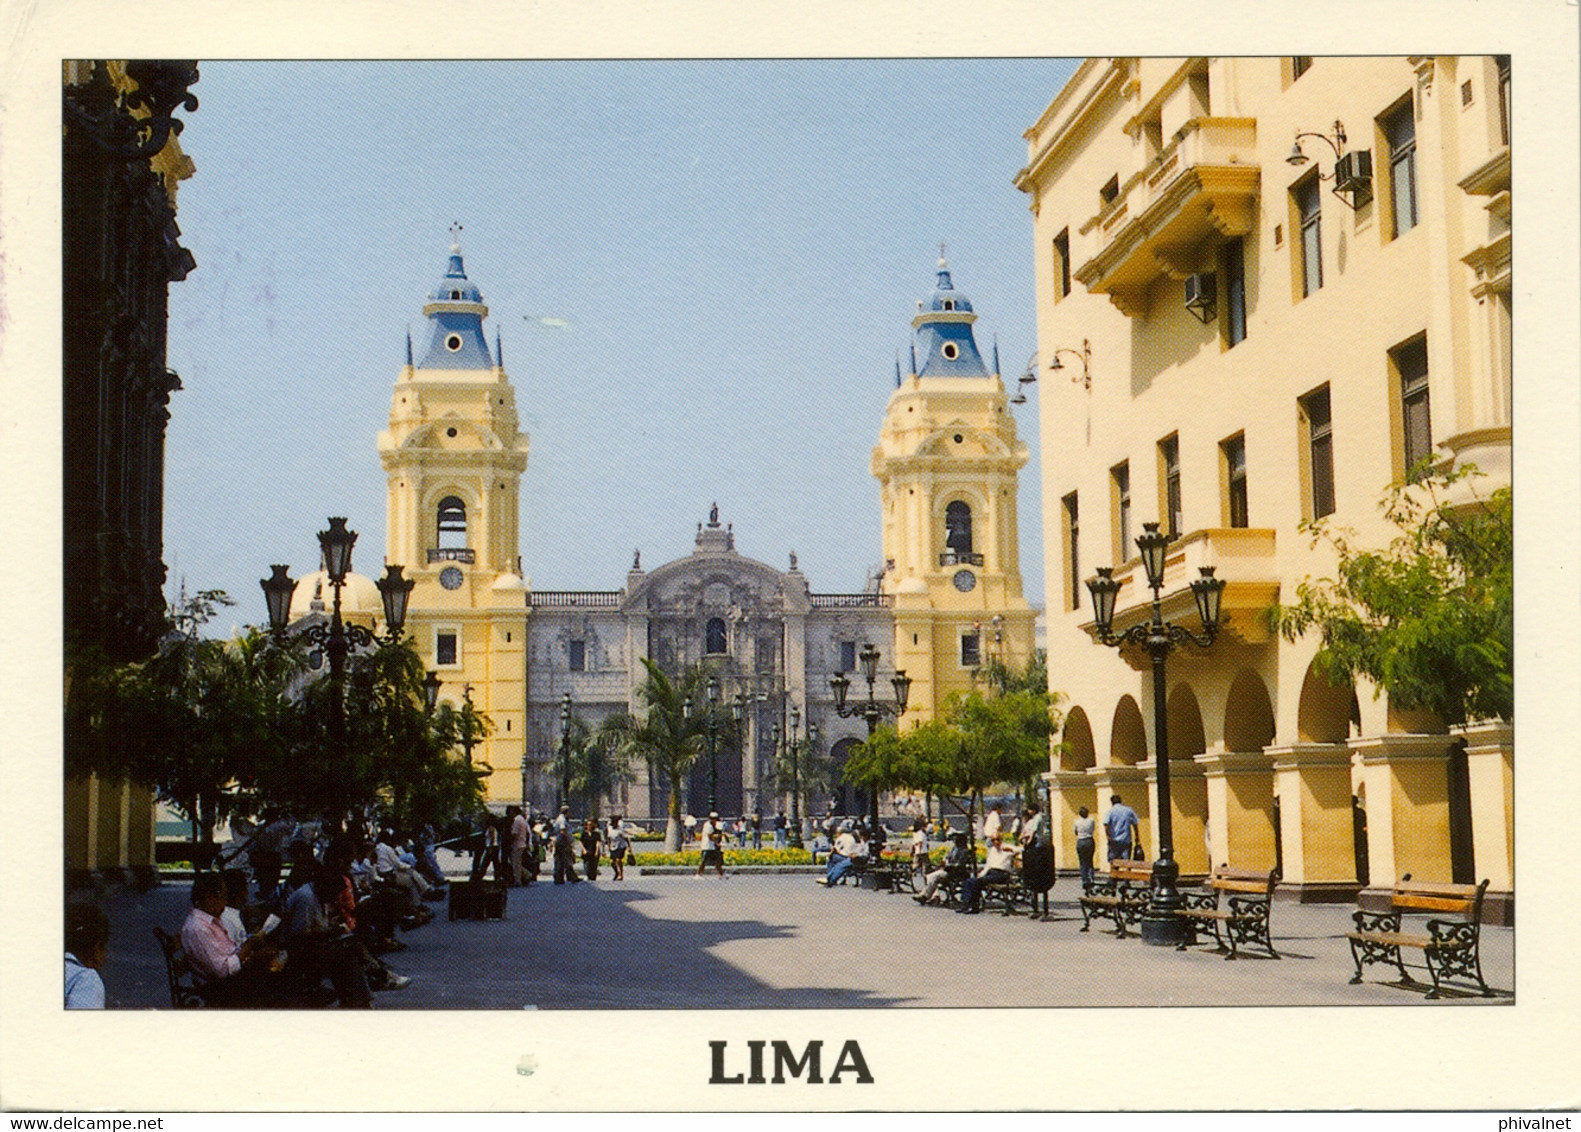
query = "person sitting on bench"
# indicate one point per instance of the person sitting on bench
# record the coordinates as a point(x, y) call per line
point(1001, 865)
point(229, 974)
point(959, 856)
point(840, 858)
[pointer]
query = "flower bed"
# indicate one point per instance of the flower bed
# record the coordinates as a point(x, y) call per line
point(694, 857)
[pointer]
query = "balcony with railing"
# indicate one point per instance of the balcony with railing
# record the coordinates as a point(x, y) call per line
point(452, 554)
point(1243, 556)
point(851, 601)
point(1201, 189)
point(960, 558)
point(576, 599)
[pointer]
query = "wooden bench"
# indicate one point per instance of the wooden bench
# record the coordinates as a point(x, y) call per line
point(1122, 898)
point(185, 992)
point(1239, 900)
point(1450, 945)
point(1008, 895)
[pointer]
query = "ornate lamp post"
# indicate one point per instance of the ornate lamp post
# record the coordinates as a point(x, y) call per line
point(872, 711)
point(337, 639)
point(1160, 925)
point(467, 741)
point(712, 723)
point(792, 745)
point(565, 749)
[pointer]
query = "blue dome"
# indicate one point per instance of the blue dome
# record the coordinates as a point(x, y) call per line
point(946, 297)
point(944, 333)
point(456, 310)
point(455, 287)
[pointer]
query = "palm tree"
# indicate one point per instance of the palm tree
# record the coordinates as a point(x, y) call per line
point(663, 736)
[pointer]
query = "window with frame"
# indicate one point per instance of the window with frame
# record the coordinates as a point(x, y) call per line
point(1399, 131)
point(971, 649)
point(578, 657)
point(1235, 504)
point(715, 639)
point(847, 656)
point(1062, 264)
point(452, 523)
point(1234, 292)
point(1416, 425)
point(1169, 463)
point(1072, 551)
point(1110, 191)
point(1315, 408)
point(446, 648)
point(1299, 65)
point(1309, 215)
point(958, 527)
point(1120, 483)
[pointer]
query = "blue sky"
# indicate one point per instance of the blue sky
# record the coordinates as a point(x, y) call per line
point(735, 250)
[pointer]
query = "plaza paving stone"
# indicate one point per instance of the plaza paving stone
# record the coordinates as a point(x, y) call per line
point(679, 942)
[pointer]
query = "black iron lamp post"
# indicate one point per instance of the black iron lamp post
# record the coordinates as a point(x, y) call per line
point(873, 710)
point(431, 692)
point(337, 639)
point(467, 740)
point(1160, 925)
point(712, 723)
point(565, 749)
point(792, 744)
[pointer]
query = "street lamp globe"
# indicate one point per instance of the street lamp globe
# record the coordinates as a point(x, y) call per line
point(336, 544)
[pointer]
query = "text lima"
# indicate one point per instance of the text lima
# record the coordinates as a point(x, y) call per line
point(808, 1066)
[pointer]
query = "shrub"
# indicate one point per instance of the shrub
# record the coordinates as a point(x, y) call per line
point(733, 857)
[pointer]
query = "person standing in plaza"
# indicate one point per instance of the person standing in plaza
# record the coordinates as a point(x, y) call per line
point(564, 864)
point(1086, 830)
point(516, 848)
point(780, 836)
point(713, 845)
point(919, 847)
point(592, 843)
point(757, 828)
point(619, 844)
point(994, 822)
point(1120, 826)
point(1037, 858)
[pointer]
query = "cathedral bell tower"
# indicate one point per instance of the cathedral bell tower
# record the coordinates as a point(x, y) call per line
point(453, 459)
point(947, 459)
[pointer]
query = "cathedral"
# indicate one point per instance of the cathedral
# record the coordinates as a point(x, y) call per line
point(948, 600)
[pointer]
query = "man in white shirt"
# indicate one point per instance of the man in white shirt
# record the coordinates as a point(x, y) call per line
point(399, 875)
point(713, 845)
point(994, 822)
point(1000, 866)
point(840, 858)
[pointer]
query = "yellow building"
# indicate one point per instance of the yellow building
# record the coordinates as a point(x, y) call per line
point(1259, 336)
point(947, 459)
point(453, 457)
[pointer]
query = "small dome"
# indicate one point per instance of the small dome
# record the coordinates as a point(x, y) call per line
point(945, 296)
point(360, 599)
point(455, 287)
point(508, 582)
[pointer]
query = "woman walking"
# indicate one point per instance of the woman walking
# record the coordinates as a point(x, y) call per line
point(618, 844)
point(592, 842)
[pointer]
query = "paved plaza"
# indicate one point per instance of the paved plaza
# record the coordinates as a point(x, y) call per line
point(776, 941)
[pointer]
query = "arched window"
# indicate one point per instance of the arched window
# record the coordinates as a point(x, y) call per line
point(958, 527)
point(452, 523)
point(716, 635)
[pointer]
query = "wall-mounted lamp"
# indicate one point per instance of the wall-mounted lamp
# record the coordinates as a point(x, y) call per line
point(1352, 175)
point(1085, 354)
point(1201, 295)
point(1028, 377)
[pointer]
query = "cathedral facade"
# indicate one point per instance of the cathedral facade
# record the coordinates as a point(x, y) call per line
point(948, 600)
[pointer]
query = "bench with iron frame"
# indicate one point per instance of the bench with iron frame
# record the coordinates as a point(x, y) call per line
point(1450, 946)
point(1009, 895)
point(1122, 898)
point(1239, 900)
point(185, 991)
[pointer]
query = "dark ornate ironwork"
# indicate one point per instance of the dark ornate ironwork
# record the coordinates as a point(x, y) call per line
point(134, 123)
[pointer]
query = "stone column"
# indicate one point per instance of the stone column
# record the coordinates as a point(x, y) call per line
point(1188, 804)
point(1490, 759)
point(1407, 779)
point(1317, 829)
point(1240, 808)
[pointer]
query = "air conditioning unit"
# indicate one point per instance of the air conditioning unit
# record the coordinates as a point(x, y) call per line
point(1353, 174)
point(1201, 291)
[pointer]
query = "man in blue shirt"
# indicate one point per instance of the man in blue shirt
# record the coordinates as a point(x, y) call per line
point(1120, 825)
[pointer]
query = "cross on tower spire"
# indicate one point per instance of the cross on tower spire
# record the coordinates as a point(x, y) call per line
point(455, 236)
point(942, 262)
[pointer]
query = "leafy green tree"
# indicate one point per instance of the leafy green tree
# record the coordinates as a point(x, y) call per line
point(1431, 617)
point(195, 722)
point(662, 736)
point(600, 762)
